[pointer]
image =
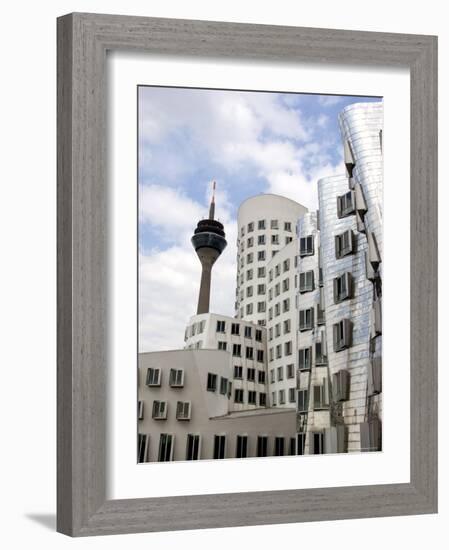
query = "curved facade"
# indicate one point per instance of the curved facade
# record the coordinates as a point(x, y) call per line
point(266, 224)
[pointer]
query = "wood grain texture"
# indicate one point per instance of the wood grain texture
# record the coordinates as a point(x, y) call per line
point(83, 40)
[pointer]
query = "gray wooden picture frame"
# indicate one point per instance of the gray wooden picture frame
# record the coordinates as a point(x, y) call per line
point(83, 40)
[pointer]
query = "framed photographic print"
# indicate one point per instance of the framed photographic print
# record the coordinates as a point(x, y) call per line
point(246, 274)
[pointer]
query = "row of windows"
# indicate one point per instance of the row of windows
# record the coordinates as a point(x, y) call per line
point(261, 225)
point(319, 395)
point(280, 397)
point(250, 274)
point(276, 311)
point(277, 268)
point(261, 241)
point(196, 328)
point(276, 352)
point(280, 446)
point(239, 397)
point(276, 330)
point(160, 410)
point(235, 330)
point(154, 377)
point(279, 371)
point(248, 351)
point(250, 374)
point(249, 309)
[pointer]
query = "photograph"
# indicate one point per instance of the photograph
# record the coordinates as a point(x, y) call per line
point(259, 274)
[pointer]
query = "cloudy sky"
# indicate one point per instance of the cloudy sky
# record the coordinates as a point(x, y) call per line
point(250, 143)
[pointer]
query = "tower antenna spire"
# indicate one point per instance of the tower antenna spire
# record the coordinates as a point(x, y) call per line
point(212, 202)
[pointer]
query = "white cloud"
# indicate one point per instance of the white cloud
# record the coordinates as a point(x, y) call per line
point(329, 100)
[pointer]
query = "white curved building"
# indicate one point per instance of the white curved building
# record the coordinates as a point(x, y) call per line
point(266, 224)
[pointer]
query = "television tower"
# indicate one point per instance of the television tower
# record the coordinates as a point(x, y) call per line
point(209, 242)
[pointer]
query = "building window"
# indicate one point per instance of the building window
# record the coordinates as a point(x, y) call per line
point(249, 309)
point(270, 275)
point(248, 332)
point(317, 440)
point(258, 334)
point(373, 250)
point(278, 351)
point(261, 377)
point(261, 272)
point(142, 447)
point(288, 240)
point(249, 274)
point(288, 348)
point(281, 397)
point(272, 376)
point(262, 399)
point(183, 410)
point(249, 242)
point(223, 385)
point(229, 389)
point(221, 326)
point(176, 379)
point(277, 309)
point(261, 255)
point(279, 443)
point(292, 446)
point(287, 226)
point(249, 258)
point(286, 305)
point(292, 395)
point(271, 352)
point(342, 287)
point(274, 239)
point(237, 350)
point(250, 227)
point(251, 374)
point(242, 231)
point(274, 224)
point(249, 291)
point(222, 346)
point(306, 246)
point(286, 265)
point(219, 446)
point(303, 401)
point(261, 307)
point(273, 399)
point(260, 355)
point(260, 289)
point(285, 285)
point(320, 354)
point(159, 410)
point(261, 239)
point(306, 282)
point(277, 270)
point(319, 397)
point(235, 329)
point(165, 453)
point(344, 244)
point(290, 371)
point(277, 289)
point(306, 319)
point(261, 224)
point(211, 382)
point(375, 376)
point(242, 446)
point(304, 359)
point(345, 204)
point(262, 445)
point(238, 371)
point(340, 385)
point(153, 377)
point(280, 371)
point(342, 332)
point(301, 443)
point(287, 326)
point(238, 396)
point(140, 410)
point(252, 397)
point(193, 447)
point(277, 330)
